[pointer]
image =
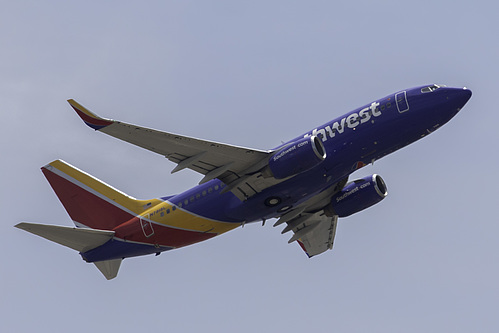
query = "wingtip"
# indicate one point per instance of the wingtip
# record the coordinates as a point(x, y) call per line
point(21, 226)
point(91, 119)
point(304, 248)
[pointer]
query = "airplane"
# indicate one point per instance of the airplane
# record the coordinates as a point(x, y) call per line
point(303, 183)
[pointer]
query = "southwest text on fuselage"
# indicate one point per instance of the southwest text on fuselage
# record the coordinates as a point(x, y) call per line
point(351, 121)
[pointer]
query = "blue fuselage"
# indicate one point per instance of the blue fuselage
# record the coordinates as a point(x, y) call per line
point(351, 141)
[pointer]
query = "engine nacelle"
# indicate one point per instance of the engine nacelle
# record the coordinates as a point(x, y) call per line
point(358, 195)
point(297, 157)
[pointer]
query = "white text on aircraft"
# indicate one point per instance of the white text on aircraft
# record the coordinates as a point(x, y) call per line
point(352, 120)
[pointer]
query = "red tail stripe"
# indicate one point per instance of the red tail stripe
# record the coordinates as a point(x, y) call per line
point(85, 207)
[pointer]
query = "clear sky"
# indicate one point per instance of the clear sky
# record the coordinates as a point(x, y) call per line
point(251, 73)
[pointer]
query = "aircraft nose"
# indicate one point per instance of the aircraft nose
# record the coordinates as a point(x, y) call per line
point(458, 96)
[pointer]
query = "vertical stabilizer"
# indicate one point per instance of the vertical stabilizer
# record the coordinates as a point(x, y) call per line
point(109, 268)
point(91, 202)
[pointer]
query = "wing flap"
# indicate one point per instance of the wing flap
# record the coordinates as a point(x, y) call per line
point(314, 232)
point(321, 238)
point(313, 223)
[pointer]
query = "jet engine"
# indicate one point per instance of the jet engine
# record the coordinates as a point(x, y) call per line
point(358, 195)
point(297, 157)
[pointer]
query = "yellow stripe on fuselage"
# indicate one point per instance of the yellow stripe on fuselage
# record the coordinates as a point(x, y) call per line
point(182, 219)
point(155, 210)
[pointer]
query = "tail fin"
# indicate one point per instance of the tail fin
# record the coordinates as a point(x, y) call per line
point(89, 201)
point(79, 239)
point(92, 204)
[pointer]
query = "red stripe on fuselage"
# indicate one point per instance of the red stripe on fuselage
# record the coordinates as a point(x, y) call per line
point(94, 212)
point(163, 235)
point(177, 238)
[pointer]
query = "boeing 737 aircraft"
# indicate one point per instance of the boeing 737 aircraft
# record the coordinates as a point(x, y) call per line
point(303, 183)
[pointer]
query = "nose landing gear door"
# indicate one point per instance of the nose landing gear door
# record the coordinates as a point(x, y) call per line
point(401, 99)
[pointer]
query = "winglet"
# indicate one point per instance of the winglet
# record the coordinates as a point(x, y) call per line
point(304, 248)
point(91, 119)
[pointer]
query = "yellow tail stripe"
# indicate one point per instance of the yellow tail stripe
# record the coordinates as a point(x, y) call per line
point(122, 199)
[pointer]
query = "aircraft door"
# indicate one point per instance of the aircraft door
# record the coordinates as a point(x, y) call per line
point(146, 226)
point(401, 100)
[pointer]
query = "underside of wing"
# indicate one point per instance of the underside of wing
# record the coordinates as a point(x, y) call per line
point(313, 223)
point(314, 232)
point(321, 238)
point(238, 167)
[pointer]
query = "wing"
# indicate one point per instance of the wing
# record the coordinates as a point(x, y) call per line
point(321, 238)
point(313, 222)
point(314, 231)
point(237, 167)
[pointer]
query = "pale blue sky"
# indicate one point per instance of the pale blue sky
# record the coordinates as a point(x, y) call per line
point(251, 73)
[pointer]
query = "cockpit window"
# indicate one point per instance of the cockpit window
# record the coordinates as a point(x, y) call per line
point(430, 88)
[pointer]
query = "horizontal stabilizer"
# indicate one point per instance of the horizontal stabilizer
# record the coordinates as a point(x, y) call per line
point(79, 239)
